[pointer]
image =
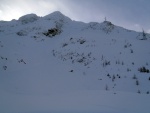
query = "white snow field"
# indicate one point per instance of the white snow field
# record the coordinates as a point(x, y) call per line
point(53, 64)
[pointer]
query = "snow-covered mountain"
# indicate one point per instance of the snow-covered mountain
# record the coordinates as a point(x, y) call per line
point(54, 64)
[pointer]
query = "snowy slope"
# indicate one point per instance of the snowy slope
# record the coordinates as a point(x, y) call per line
point(53, 64)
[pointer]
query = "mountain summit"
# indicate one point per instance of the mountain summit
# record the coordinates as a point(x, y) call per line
point(57, 16)
point(54, 64)
point(28, 18)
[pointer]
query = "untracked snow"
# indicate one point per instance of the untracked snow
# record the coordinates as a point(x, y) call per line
point(53, 64)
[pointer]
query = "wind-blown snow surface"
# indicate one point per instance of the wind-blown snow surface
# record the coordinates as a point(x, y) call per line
point(52, 64)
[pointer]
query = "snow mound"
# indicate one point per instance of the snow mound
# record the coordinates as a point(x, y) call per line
point(29, 18)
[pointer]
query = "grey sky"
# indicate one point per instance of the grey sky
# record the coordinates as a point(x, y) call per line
point(131, 14)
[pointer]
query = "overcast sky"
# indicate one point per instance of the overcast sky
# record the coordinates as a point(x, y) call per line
point(130, 14)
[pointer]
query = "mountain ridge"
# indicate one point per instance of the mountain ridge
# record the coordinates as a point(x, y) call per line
point(55, 64)
point(57, 16)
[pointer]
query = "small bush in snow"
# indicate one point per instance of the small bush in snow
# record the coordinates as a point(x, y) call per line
point(132, 63)
point(134, 77)
point(118, 76)
point(65, 44)
point(143, 69)
point(137, 82)
point(139, 91)
point(117, 62)
point(125, 46)
point(128, 69)
point(108, 75)
point(106, 63)
point(4, 67)
point(144, 35)
point(113, 78)
point(106, 87)
point(131, 50)
point(71, 70)
point(21, 61)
